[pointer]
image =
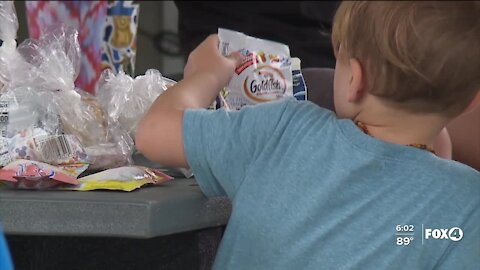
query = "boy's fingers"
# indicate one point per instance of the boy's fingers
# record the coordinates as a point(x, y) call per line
point(212, 40)
point(236, 57)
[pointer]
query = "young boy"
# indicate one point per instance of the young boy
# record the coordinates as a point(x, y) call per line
point(315, 190)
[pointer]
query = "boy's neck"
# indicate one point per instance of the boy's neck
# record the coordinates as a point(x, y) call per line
point(400, 127)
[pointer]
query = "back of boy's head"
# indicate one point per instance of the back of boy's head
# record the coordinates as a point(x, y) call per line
point(423, 56)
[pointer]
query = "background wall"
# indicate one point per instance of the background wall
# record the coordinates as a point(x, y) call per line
point(160, 19)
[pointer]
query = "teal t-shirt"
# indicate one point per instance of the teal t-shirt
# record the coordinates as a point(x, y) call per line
point(310, 191)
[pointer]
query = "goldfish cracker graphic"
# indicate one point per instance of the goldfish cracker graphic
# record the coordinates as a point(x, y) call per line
point(274, 58)
point(262, 57)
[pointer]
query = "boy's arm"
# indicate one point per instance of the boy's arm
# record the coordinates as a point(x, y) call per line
point(159, 135)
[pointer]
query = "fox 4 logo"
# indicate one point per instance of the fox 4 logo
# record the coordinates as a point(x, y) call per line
point(454, 234)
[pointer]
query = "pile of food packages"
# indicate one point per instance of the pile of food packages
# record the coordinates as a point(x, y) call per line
point(56, 136)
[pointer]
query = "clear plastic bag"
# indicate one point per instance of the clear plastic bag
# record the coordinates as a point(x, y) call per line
point(31, 128)
point(55, 61)
point(9, 57)
point(8, 21)
point(107, 145)
point(126, 99)
point(55, 58)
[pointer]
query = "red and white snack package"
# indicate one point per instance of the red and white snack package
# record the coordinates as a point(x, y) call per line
point(28, 174)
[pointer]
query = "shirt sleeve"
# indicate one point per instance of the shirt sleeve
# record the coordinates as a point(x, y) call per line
point(220, 145)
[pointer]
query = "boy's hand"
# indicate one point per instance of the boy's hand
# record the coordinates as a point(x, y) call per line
point(159, 136)
point(207, 60)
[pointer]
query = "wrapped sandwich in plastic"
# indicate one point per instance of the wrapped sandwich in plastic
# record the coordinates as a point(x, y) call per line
point(124, 178)
point(107, 145)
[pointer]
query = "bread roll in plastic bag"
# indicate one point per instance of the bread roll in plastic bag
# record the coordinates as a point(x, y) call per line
point(126, 99)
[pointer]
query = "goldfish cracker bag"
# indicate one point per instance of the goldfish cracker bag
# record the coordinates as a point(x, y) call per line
point(265, 73)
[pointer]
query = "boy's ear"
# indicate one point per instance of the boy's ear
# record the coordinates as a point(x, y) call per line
point(356, 89)
point(475, 103)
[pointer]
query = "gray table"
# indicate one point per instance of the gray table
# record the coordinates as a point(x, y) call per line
point(172, 226)
point(174, 207)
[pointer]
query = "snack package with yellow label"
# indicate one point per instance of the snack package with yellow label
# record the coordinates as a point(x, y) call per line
point(126, 178)
point(264, 75)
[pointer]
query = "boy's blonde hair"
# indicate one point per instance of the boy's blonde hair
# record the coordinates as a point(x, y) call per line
point(424, 56)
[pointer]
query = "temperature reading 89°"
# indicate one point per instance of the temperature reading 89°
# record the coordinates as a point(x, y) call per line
point(404, 241)
point(404, 234)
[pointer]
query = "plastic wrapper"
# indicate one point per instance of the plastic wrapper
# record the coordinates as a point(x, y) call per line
point(124, 178)
point(31, 129)
point(55, 58)
point(11, 63)
point(126, 100)
point(107, 145)
point(88, 17)
point(265, 73)
point(28, 174)
point(138, 158)
point(8, 21)
point(8, 33)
